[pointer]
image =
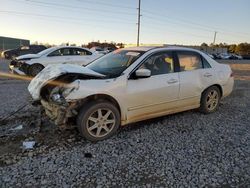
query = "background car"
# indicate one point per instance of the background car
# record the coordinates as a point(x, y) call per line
point(32, 49)
point(109, 49)
point(98, 50)
point(32, 64)
point(130, 85)
point(235, 56)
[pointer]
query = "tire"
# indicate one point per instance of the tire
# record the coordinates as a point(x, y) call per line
point(210, 100)
point(91, 120)
point(35, 69)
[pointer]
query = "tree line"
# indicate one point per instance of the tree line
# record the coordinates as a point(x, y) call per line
point(241, 49)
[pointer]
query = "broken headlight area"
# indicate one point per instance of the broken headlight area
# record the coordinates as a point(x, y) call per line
point(53, 98)
point(21, 65)
point(56, 91)
point(57, 108)
point(59, 93)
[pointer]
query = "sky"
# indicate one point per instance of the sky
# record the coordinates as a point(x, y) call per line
point(189, 22)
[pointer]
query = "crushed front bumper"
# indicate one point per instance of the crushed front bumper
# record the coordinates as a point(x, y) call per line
point(15, 70)
point(16, 67)
point(58, 113)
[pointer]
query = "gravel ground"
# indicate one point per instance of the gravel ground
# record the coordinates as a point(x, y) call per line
point(13, 93)
point(187, 149)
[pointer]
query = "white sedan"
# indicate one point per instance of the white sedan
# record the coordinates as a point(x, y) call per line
point(131, 85)
point(32, 64)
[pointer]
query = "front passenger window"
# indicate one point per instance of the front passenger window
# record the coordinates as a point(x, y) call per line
point(160, 63)
point(55, 53)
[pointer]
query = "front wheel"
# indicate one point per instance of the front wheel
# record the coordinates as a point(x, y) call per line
point(98, 120)
point(35, 69)
point(210, 100)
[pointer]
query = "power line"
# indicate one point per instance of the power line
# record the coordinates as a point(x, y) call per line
point(161, 16)
point(160, 29)
point(106, 4)
point(189, 26)
point(156, 17)
point(175, 23)
point(62, 17)
point(77, 7)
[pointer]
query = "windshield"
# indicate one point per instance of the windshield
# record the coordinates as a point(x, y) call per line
point(46, 51)
point(113, 64)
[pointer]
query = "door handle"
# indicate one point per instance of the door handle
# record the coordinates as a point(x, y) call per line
point(207, 75)
point(172, 81)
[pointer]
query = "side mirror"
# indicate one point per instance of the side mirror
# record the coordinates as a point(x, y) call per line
point(143, 73)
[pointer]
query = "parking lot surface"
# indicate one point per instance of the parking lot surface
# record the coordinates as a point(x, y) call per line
point(187, 149)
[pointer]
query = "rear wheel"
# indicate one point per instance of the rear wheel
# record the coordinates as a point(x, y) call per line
point(210, 100)
point(98, 120)
point(35, 69)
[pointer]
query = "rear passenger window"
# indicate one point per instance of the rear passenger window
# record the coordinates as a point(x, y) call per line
point(81, 52)
point(189, 61)
point(205, 63)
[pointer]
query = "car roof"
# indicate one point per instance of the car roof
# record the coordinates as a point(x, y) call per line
point(141, 48)
point(59, 47)
point(68, 47)
point(148, 48)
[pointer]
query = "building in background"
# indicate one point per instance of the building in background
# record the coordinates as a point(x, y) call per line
point(11, 43)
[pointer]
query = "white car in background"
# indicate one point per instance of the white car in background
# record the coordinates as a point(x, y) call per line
point(98, 50)
point(130, 85)
point(224, 56)
point(32, 64)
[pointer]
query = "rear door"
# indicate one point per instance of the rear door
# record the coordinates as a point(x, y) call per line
point(147, 97)
point(195, 76)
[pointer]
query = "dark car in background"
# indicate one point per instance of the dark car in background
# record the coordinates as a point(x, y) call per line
point(32, 49)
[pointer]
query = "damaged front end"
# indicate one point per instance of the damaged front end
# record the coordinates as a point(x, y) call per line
point(53, 99)
point(19, 67)
point(59, 114)
point(53, 87)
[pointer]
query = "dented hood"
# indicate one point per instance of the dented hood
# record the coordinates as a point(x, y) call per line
point(28, 56)
point(51, 72)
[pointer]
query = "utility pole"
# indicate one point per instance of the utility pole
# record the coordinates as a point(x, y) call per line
point(139, 23)
point(215, 33)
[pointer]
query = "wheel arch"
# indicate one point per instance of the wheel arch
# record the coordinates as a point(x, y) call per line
point(104, 97)
point(216, 85)
point(31, 66)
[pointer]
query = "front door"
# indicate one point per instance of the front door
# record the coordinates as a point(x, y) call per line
point(157, 94)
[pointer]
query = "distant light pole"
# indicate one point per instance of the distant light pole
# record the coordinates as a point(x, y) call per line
point(215, 33)
point(139, 23)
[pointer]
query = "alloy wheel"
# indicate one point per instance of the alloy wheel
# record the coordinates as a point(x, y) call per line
point(212, 100)
point(101, 122)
